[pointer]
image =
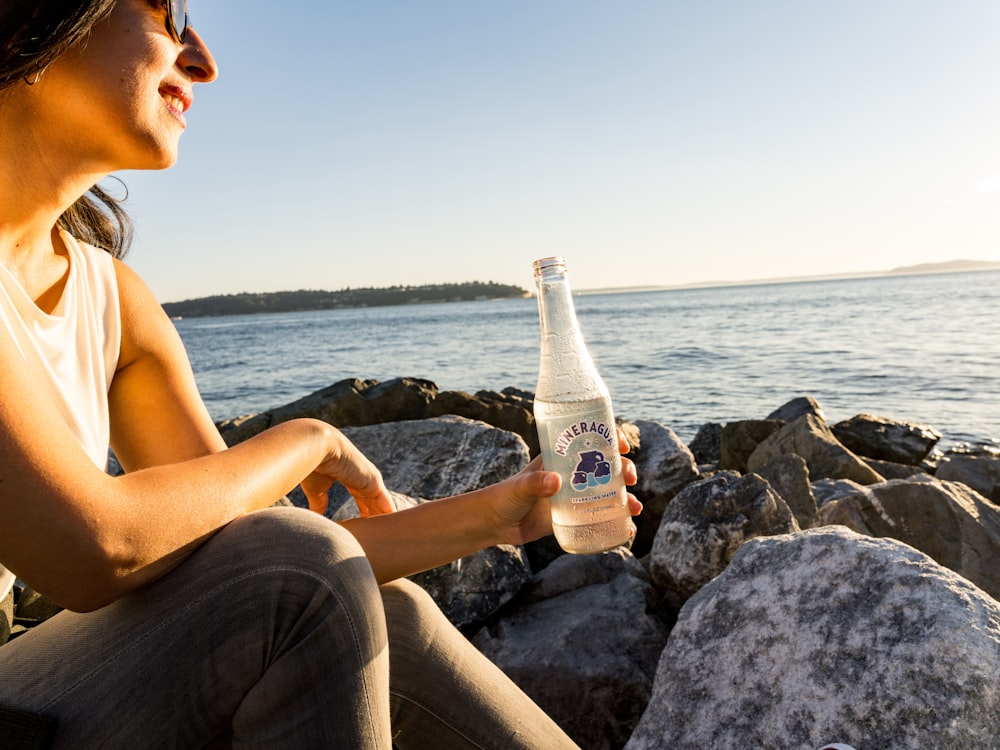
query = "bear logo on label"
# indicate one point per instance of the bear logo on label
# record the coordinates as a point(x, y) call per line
point(591, 471)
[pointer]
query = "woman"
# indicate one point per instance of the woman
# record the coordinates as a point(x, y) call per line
point(196, 614)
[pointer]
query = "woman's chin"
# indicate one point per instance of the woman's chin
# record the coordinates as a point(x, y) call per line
point(164, 158)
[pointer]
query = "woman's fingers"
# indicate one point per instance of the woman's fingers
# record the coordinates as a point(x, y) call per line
point(629, 472)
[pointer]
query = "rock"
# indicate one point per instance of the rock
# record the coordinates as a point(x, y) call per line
point(6, 616)
point(707, 444)
point(740, 439)
point(885, 439)
point(542, 552)
point(510, 410)
point(981, 473)
point(474, 588)
point(846, 514)
point(439, 457)
point(788, 475)
point(113, 468)
point(948, 521)
point(892, 470)
point(809, 437)
point(705, 525)
point(585, 655)
point(572, 572)
point(355, 402)
point(665, 466)
point(798, 407)
point(825, 636)
point(664, 463)
point(346, 403)
point(827, 490)
point(33, 606)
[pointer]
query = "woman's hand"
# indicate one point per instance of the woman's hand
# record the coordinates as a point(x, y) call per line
point(521, 506)
point(346, 464)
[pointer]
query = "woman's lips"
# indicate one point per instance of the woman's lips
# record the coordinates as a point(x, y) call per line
point(177, 99)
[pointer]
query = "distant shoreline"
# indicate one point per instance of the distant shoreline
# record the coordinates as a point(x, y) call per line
point(923, 269)
point(307, 300)
point(248, 303)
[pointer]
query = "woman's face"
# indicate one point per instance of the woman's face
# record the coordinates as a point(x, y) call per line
point(119, 100)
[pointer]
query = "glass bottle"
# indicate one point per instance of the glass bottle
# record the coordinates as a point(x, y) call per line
point(576, 426)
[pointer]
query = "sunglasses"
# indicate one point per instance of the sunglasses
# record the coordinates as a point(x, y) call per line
point(177, 12)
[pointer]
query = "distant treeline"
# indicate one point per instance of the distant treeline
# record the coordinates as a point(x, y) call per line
point(309, 299)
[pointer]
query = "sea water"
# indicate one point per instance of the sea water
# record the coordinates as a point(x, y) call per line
point(915, 348)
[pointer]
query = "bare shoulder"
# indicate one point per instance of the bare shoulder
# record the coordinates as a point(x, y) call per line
point(133, 292)
point(146, 329)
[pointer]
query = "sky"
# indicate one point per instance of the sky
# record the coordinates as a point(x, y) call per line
point(651, 142)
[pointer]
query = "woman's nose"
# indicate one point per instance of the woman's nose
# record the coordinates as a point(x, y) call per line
point(196, 59)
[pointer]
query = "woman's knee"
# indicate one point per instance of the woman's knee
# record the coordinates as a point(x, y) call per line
point(407, 599)
point(412, 616)
point(290, 537)
point(282, 555)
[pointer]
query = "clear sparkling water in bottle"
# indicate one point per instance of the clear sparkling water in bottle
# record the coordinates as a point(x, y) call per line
point(576, 426)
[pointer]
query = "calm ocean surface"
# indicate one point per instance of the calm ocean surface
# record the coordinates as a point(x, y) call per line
point(917, 348)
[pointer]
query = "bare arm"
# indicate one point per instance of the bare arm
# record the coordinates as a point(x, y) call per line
point(157, 414)
point(85, 538)
point(513, 511)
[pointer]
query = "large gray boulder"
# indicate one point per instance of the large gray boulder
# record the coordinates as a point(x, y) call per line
point(828, 636)
point(809, 437)
point(946, 520)
point(705, 525)
point(981, 473)
point(584, 643)
point(884, 439)
point(439, 457)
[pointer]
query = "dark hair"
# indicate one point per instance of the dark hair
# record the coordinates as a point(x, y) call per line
point(33, 33)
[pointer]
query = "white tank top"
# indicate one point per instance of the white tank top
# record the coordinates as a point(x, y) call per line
point(74, 349)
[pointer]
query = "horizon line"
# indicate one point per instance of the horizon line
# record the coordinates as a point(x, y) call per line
point(925, 269)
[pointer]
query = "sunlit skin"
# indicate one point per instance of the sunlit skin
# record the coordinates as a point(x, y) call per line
point(116, 103)
point(119, 103)
point(121, 99)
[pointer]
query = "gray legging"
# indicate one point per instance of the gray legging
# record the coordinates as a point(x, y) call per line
point(273, 634)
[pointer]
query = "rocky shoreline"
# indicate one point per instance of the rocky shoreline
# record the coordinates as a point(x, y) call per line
point(792, 583)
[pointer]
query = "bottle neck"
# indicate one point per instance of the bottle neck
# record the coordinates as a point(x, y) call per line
point(556, 312)
point(566, 371)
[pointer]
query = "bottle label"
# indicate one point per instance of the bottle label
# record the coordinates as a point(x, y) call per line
point(584, 451)
point(577, 429)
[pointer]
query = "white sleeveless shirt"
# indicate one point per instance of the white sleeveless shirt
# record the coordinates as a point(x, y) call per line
point(74, 348)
